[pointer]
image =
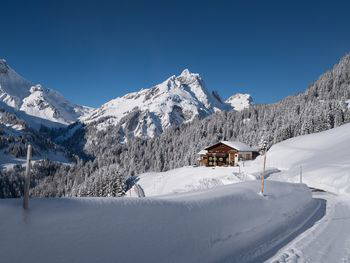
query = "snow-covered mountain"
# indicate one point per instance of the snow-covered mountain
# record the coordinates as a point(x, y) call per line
point(177, 100)
point(34, 100)
point(240, 101)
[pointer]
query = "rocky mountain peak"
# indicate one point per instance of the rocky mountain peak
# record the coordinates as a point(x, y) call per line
point(3, 66)
point(240, 101)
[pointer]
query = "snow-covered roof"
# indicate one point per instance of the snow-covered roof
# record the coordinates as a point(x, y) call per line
point(202, 152)
point(240, 146)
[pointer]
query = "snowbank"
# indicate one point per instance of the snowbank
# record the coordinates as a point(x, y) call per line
point(185, 179)
point(227, 223)
point(188, 178)
point(324, 158)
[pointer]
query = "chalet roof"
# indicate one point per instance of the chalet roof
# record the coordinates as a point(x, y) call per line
point(202, 152)
point(240, 146)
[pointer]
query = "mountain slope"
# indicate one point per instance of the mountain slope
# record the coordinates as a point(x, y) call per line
point(34, 100)
point(240, 101)
point(177, 100)
point(50, 105)
point(13, 87)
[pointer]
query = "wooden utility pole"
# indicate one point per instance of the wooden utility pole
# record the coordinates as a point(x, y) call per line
point(27, 179)
point(263, 174)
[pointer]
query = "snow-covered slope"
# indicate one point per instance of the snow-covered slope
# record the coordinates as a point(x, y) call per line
point(226, 224)
point(185, 179)
point(240, 101)
point(13, 87)
point(177, 100)
point(188, 178)
point(50, 105)
point(323, 157)
point(34, 100)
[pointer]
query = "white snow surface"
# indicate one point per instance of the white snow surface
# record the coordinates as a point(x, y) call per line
point(34, 100)
point(49, 104)
point(240, 146)
point(188, 178)
point(323, 157)
point(177, 100)
point(185, 179)
point(240, 101)
point(230, 223)
point(326, 240)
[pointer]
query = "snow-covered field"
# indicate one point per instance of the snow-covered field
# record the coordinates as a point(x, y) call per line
point(188, 178)
point(231, 223)
point(323, 157)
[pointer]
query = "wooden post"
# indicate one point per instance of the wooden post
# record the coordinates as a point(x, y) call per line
point(263, 174)
point(27, 179)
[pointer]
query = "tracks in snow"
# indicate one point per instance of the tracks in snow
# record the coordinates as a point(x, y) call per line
point(328, 240)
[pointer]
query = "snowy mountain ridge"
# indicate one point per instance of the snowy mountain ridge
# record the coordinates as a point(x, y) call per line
point(240, 101)
point(177, 100)
point(34, 100)
point(145, 114)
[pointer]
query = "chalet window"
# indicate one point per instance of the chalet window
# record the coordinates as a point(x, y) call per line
point(210, 158)
point(210, 163)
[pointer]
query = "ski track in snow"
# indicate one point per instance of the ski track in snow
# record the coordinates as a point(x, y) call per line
point(326, 241)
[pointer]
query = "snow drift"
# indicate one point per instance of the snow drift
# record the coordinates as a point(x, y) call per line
point(323, 157)
point(188, 178)
point(229, 223)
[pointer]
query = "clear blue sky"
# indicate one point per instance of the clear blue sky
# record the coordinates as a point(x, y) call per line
point(93, 51)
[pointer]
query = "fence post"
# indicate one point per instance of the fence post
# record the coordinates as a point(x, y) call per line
point(27, 179)
point(263, 174)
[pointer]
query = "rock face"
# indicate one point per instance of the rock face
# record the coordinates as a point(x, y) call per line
point(240, 101)
point(148, 112)
point(34, 100)
point(13, 87)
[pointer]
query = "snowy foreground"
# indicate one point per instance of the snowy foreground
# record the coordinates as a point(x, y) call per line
point(325, 161)
point(231, 223)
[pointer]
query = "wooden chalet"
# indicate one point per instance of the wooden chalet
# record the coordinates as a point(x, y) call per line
point(226, 153)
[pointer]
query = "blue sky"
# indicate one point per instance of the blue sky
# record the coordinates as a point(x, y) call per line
point(93, 51)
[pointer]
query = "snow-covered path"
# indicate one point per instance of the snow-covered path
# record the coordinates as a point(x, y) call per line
point(328, 240)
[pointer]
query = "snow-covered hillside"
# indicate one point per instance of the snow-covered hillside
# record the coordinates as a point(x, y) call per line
point(240, 101)
point(34, 100)
point(177, 100)
point(323, 157)
point(188, 178)
point(227, 224)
